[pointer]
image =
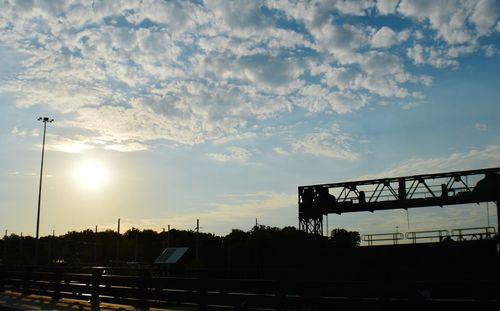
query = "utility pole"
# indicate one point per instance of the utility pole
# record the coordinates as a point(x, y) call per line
point(197, 239)
point(44, 120)
point(49, 253)
point(168, 246)
point(21, 244)
point(52, 246)
point(137, 246)
point(5, 246)
point(163, 239)
point(168, 236)
point(95, 246)
point(118, 242)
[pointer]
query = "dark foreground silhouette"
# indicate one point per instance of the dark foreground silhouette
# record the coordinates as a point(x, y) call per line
point(265, 268)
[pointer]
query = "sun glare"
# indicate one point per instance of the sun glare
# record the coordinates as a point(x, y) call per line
point(91, 174)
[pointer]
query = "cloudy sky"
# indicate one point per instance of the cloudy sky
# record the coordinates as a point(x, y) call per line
point(169, 111)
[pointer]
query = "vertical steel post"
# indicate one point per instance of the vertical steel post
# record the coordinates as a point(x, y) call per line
point(118, 242)
point(163, 239)
point(498, 226)
point(168, 236)
point(136, 247)
point(40, 183)
point(95, 246)
point(5, 246)
point(197, 239)
point(44, 120)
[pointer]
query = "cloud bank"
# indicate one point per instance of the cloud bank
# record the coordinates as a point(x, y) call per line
point(128, 73)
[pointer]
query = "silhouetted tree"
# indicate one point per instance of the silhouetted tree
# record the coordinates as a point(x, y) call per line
point(262, 249)
point(342, 237)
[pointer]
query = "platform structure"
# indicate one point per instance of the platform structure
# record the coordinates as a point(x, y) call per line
point(459, 187)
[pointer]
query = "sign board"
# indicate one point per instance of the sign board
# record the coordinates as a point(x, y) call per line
point(171, 255)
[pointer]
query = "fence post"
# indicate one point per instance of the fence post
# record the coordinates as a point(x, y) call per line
point(2, 278)
point(144, 277)
point(56, 283)
point(202, 291)
point(384, 290)
point(28, 271)
point(281, 293)
point(96, 282)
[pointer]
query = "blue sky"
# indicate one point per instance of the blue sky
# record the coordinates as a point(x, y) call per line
point(218, 110)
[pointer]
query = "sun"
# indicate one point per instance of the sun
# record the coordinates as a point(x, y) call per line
point(91, 174)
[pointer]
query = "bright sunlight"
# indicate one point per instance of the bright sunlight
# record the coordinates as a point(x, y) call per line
point(91, 174)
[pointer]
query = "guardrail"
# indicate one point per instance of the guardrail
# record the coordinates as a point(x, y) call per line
point(142, 289)
point(462, 234)
point(148, 289)
point(394, 237)
point(479, 233)
point(429, 234)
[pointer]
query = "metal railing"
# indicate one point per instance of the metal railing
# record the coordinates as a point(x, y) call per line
point(478, 233)
point(462, 234)
point(145, 288)
point(394, 237)
point(427, 234)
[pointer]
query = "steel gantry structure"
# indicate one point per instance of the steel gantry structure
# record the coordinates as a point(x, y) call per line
point(371, 195)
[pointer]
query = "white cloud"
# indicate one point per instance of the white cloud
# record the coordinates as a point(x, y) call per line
point(331, 143)
point(436, 57)
point(315, 98)
point(190, 73)
point(467, 160)
point(25, 132)
point(130, 147)
point(280, 151)
point(431, 218)
point(449, 18)
point(481, 126)
point(177, 16)
point(485, 16)
point(457, 51)
point(353, 7)
point(381, 63)
point(446, 17)
point(384, 37)
point(232, 154)
point(379, 73)
point(490, 50)
point(235, 208)
point(67, 145)
point(243, 136)
point(411, 105)
point(386, 7)
point(243, 16)
point(339, 40)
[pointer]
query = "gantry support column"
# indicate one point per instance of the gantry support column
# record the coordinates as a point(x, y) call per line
point(498, 218)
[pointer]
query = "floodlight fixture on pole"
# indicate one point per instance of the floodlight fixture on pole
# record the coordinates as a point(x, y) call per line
point(44, 120)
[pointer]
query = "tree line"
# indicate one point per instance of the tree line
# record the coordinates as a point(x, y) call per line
point(261, 247)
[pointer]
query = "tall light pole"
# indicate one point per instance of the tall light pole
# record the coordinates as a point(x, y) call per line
point(44, 120)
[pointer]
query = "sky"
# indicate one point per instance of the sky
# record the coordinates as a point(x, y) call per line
point(171, 111)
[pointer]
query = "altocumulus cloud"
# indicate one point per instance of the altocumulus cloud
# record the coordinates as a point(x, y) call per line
point(232, 154)
point(330, 143)
point(127, 73)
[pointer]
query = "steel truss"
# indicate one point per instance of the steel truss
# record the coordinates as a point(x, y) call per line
point(371, 195)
